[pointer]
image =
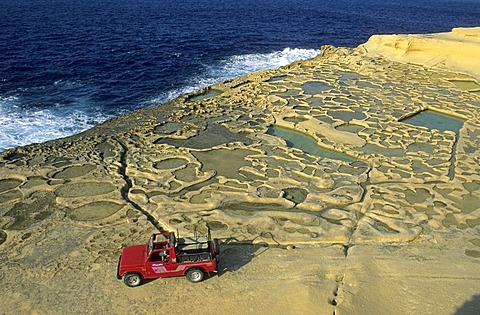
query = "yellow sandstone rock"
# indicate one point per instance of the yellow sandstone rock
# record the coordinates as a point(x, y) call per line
point(374, 182)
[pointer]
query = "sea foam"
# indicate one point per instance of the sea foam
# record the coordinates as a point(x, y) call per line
point(233, 67)
point(21, 126)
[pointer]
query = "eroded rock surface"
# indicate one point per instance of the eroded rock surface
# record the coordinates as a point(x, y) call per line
point(211, 160)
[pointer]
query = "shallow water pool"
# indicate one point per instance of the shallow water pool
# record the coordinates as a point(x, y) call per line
point(435, 120)
point(208, 94)
point(306, 143)
point(315, 87)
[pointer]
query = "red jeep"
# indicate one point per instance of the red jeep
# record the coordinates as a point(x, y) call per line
point(165, 256)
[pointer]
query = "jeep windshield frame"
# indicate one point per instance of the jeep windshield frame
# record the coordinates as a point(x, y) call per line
point(151, 244)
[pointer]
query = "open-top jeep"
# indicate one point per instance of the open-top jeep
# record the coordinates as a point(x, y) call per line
point(166, 256)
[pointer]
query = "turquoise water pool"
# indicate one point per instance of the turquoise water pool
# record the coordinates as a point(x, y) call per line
point(208, 94)
point(435, 120)
point(306, 143)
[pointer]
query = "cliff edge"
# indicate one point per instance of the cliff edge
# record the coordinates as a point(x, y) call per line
point(457, 50)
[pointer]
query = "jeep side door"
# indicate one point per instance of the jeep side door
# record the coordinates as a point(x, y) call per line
point(158, 263)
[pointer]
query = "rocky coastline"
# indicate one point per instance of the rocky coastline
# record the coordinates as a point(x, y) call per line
point(364, 160)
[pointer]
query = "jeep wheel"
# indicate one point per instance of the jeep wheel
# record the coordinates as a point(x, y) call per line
point(132, 279)
point(195, 275)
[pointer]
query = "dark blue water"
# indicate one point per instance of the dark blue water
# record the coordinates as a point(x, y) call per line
point(66, 65)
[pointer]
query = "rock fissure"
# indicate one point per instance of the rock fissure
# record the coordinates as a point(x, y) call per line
point(252, 187)
point(451, 169)
point(125, 190)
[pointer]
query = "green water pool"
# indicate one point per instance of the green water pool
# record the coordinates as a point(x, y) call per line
point(306, 143)
point(208, 94)
point(435, 120)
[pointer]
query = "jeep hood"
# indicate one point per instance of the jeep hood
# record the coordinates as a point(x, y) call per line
point(133, 256)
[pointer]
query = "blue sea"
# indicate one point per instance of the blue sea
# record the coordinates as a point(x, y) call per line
point(67, 65)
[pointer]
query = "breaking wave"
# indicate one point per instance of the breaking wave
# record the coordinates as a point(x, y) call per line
point(236, 66)
point(22, 125)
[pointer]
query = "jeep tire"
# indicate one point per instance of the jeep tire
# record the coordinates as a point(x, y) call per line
point(195, 275)
point(132, 279)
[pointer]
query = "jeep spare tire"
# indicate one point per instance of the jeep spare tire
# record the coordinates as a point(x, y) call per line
point(216, 244)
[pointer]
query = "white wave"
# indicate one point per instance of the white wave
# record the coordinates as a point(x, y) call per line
point(19, 127)
point(67, 83)
point(236, 66)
